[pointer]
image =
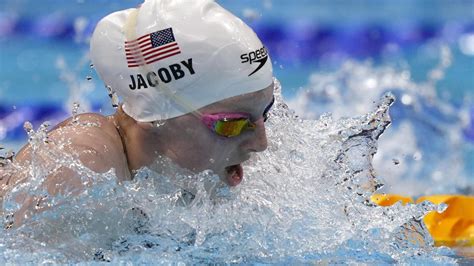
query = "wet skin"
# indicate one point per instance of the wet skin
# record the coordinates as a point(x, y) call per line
point(190, 144)
point(120, 142)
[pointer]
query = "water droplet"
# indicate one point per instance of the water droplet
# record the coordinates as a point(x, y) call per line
point(88, 78)
point(158, 123)
point(28, 127)
point(378, 186)
point(396, 161)
point(91, 65)
point(212, 160)
point(44, 126)
point(109, 90)
point(115, 100)
point(14, 107)
point(417, 156)
point(113, 96)
point(441, 207)
point(75, 108)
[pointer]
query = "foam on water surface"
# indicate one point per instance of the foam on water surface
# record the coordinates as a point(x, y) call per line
point(305, 199)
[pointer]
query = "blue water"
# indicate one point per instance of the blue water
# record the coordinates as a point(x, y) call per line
point(330, 58)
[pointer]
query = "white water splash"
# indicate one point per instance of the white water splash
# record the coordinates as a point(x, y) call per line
point(304, 200)
point(427, 137)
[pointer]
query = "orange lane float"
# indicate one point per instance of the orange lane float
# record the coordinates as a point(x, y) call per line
point(453, 227)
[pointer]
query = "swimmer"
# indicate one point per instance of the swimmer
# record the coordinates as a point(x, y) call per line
point(195, 85)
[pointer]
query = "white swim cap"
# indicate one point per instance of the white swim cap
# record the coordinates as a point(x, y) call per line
point(167, 58)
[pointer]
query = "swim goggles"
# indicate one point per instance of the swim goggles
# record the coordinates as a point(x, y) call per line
point(232, 124)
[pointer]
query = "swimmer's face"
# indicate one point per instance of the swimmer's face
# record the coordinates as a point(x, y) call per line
point(192, 145)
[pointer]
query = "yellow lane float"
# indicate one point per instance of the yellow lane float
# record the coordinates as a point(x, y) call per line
point(390, 199)
point(453, 227)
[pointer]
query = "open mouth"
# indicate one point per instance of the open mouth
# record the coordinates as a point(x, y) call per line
point(235, 174)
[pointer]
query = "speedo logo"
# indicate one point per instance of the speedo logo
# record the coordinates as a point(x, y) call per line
point(259, 56)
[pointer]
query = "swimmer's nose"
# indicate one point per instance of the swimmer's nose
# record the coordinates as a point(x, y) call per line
point(258, 140)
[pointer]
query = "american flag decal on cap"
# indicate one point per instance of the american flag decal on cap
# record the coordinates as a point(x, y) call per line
point(151, 48)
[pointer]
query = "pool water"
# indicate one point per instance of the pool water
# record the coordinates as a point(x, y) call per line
point(295, 206)
point(387, 105)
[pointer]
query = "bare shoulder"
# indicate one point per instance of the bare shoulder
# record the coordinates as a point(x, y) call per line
point(89, 140)
point(92, 138)
point(88, 121)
